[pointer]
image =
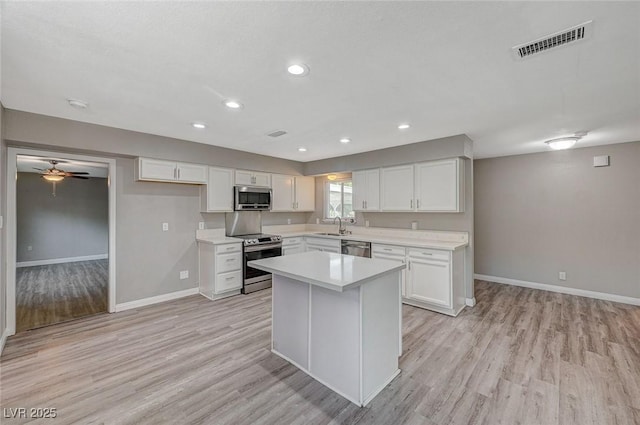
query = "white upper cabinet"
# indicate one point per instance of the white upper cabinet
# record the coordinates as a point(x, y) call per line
point(396, 188)
point(439, 186)
point(366, 190)
point(283, 192)
point(252, 178)
point(191, 173)
point(217, 195)
point(305, 193)
point(293, 193)
point(170, 171)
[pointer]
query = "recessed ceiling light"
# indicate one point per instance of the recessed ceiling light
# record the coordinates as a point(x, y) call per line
point(78, 104)
point(345, 140)
point(562, 142)
point(199, 125)
point(302, 149)
point(298, 69)
point(403, 126)
point(232, 104)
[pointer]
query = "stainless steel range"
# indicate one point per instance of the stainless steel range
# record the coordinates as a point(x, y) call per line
point(247, 225)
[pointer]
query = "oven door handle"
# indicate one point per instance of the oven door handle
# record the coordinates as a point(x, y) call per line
point(254, 248)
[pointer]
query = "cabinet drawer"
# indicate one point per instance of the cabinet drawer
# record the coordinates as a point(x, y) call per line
point(223, 249)
point(388, 249)
point(228, 281)
point(291, 241)
point(433, 254)
point(228, 262)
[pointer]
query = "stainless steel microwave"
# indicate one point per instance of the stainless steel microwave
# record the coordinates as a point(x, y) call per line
point(248, 198)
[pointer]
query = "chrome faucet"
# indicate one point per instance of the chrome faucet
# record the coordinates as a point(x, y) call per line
point(341, 230)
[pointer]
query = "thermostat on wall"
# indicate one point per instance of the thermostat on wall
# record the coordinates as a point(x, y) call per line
point(601, 161)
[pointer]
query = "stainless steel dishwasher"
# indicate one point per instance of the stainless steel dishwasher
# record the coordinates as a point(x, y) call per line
point(356, 248)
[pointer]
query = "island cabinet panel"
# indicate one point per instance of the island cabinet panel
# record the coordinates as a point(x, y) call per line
point(335, 339)
point(291, 321)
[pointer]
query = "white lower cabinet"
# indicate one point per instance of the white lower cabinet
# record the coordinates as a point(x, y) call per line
point(392, 253)
point(322, 244)
point(293, 245)
point(435, 280)
point(220, 269)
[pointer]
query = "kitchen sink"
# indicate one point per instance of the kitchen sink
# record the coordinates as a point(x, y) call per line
point(328, 234)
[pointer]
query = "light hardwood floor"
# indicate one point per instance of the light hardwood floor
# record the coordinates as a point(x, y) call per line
point(59, 292)
point(520, 356)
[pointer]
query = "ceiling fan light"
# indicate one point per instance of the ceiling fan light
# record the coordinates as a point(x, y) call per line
point(562, 142)
point(53, 177)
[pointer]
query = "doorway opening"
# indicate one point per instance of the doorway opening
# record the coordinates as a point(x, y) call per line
point(61, 237)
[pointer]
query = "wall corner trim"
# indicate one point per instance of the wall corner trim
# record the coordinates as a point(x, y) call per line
point(157, 299)
point(560, 289)
point(3, 339)
point(470, 301)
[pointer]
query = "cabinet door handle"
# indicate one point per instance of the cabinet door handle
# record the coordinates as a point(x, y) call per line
point(418, 203)
point(229, 278)
point(409, 264)
point(366, 205)
point(362, 204)
point(387, 249)
point(230, 259)
point(175, 173)
point(178, 174)
point(411, 203)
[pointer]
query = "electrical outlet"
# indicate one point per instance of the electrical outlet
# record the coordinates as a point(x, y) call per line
point(201, 225)
point(1, 222)
point(184, 274)
point(165, 227)
point(562, 275)
point(29, 248)
point(288, 221)
point(366, 223)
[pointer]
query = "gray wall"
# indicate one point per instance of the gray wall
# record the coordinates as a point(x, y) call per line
point(431, 150)
point(148, 261)
point(74, 223)
point(3, 231)
point(542, 213)
point(447, 147)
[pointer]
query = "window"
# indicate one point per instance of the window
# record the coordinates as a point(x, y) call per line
point(338, 199)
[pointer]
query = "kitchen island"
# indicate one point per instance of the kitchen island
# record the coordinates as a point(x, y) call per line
point(338, 318)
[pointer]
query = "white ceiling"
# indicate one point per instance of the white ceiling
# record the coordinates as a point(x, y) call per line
point(30, 164)
point(445, 67)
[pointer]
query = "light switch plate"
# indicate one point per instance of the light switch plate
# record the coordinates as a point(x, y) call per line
point(165, 227)
point(184, 274)
point(601, 161)
point(201, 225)
point(562, 275)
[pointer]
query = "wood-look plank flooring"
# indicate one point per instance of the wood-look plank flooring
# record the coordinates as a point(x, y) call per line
point(520, 356)
point(59, 292)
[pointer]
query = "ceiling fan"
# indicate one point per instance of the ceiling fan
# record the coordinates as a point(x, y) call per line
point(54, 174)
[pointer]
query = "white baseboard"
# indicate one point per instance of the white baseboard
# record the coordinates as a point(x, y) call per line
point(470, 301)
point(3, 339)
point(560, 289)
point(62, 260)
point(157, 299)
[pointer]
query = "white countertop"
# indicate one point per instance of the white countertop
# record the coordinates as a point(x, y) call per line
point(219, 240)
point(409, 242)
point(332, 271)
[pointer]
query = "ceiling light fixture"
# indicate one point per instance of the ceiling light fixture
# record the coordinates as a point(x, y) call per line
point(403, 126)
point(345, 140)
point(332, 177)
point(302, 149)
point(562, 142)
point(53, 177)
point(298, 69)
point(199, 125)
point(232, 104)
point(78, 104)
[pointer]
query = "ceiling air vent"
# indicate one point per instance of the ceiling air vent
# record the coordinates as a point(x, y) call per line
point(277, 133)
point(560, 38)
